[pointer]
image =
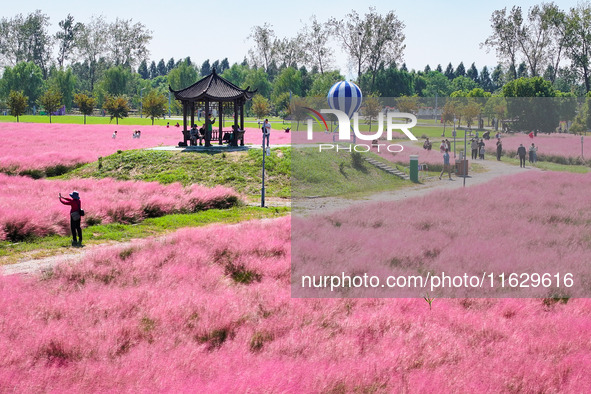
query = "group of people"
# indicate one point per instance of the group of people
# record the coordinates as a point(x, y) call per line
point(202, 134)
point(445, 144)
point(532, 154)
point(136, 134)
point(478, 148)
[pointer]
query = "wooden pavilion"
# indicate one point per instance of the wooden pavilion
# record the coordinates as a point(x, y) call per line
point(206, 93)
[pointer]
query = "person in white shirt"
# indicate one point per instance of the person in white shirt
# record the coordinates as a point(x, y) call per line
point(266, 132)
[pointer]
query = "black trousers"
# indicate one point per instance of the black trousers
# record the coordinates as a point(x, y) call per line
point(76, 230)
point(521, 161)
point(474, 153)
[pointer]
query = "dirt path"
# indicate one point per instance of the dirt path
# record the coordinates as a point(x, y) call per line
point(494, 169)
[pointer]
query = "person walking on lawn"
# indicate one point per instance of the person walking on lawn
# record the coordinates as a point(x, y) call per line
point(76, 214)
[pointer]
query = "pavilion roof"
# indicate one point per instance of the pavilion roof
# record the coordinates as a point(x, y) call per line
point(214, 88)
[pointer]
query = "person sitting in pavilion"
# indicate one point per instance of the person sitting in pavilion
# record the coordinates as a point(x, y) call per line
point(193, 135)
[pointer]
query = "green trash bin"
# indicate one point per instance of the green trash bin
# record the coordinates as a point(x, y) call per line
point(414, 168)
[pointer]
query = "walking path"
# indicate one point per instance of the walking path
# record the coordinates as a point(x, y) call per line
point(494, 169)
point(313, 205)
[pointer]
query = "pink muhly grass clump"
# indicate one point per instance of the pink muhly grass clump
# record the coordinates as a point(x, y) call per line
point(173, 315)
point(30, 207)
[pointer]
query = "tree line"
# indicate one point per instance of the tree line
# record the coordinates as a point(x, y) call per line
point(102, 62)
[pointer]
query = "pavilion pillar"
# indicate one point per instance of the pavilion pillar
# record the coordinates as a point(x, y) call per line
point(192, 113)
point(207, 132)
point(220, 117)
point(185, 122)
point(236, 112)
point(242, 121)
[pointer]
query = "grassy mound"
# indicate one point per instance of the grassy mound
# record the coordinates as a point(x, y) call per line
point(238, 170)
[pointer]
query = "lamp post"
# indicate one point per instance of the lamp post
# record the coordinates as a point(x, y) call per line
point(454, 134)
point(465, 160)
point(266, 152)
point(142, 102)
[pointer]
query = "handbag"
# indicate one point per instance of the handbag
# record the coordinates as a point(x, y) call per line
point(82, 212)
point(75, 215)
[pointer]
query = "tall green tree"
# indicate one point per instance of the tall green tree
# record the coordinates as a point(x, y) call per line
point(85, 104)
point(258, 79)
point(205, 68)
point(63, 81)
point(472, 73)
point(66, 38)
point(26, 77)
point(264, 50)
point(128, 42)
point(142, 70)
point(153, 70)
point(322, 83)
point(26, 39)
point(436, 84)
point(17, 103)
point(154, 105)
point(236, 74)
point(182, 76)
point(449, 72)
point(370, 41)
point(51, 101)
point(460, 70)
point(485, 80)
point(117, 107)
point(260, 106)
point(503, 39)
point(92, 46)
point(289, 79)
point(170, 65)
point(161, 68)
point(115, 81)
point(578, 47)
point(529, 101)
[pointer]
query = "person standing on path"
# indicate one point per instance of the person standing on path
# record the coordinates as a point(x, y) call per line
point(442, 146)
point(446, 166)
point(474, 146)
point(499, 149)
point(266, 132)
point(75, 216)
point(521, 153)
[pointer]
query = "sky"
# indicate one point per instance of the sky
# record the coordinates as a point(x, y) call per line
point(437, 32)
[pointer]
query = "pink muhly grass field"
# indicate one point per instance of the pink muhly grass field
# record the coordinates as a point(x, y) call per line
point(31, 207)
point(527, 223)
point(29, 146)
point(209, 310)
point(563, 145)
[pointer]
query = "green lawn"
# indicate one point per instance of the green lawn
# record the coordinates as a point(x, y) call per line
point(338, 174)
point(99, 234)
point(239, 170)
point(549, 166)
